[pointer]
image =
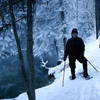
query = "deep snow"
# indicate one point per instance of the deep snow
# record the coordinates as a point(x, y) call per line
point(78, 89)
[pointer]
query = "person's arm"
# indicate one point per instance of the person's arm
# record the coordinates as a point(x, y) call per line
point(66, 52)
point(83, 47)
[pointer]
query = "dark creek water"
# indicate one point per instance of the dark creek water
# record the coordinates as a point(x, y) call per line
point(11, 78)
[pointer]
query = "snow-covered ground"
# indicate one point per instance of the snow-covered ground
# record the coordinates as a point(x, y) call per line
point(78, 89)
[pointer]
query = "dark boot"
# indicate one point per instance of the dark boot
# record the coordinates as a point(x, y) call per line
point(83, 60)
point(85, 73)
point(73, 74)
point(72, 77)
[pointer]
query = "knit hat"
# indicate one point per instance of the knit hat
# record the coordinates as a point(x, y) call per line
point(74, 31)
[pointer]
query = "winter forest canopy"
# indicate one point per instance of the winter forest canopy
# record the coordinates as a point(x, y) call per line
point(52, 22)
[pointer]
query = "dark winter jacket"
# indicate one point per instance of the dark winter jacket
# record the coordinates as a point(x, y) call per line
point(74, 48)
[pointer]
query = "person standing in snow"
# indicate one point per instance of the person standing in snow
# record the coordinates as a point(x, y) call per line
point(75, 51)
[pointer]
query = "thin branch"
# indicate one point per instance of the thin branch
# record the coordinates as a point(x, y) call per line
point(9, 24)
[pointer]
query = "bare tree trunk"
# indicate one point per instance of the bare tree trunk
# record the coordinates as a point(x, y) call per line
point(64, 30)
point(30, 84)
point(97, 14)
point(21, 60)
point(96, 19)
point(3, 21)
point(30, 58)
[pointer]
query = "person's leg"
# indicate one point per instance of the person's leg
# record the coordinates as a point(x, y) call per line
point(83, 60)
point(72, 66)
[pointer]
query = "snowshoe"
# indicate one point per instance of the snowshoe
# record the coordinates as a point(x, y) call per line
point(85, 77)
point(88, 77)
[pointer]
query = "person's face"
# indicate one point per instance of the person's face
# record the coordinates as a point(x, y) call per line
point(74, 35)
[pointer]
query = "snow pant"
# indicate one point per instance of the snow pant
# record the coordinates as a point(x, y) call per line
point(82, 60)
